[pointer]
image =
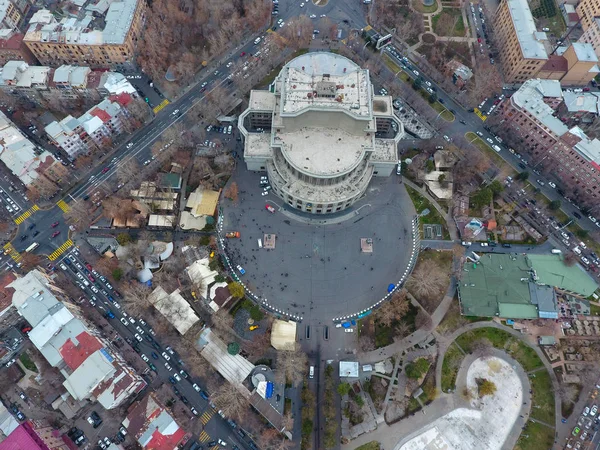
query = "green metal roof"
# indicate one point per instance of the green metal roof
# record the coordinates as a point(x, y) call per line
point(517, 311)
point(170, 180)
point(551, 271)
point(495, 280)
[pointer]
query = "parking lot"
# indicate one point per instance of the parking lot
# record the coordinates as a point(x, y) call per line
point(317, 270)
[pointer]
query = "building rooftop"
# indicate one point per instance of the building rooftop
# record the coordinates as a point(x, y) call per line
point(21, 439)
point(527, 35)
point(325, 81)
point(261, 100)
point(323, 151)
point(174, 308)
point(152, 425)
point(283, 334)
point(530, 97)
point(43, 27)
point(583, 102)
point(585, 52)
point(552, 271)
point(234, 368)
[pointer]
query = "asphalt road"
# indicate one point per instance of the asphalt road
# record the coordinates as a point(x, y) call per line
point(74, 266)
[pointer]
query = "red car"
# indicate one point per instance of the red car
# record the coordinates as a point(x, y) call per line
point(270, 208)
point(106, 169)
point(479, 40)
point(56, 233)
point(203, 89)
point(89, 267)
point(243, 54)
point(54, 225)
point(91, 278)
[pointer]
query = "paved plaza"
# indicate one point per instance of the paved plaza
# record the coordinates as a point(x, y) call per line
point(317, 270)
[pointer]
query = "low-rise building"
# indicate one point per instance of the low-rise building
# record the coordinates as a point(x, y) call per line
point(519, 286)
point(37, 169)
point(93, 370)
point(572, 158)
point(174, 308)
point(93, 130)
point(152, 426)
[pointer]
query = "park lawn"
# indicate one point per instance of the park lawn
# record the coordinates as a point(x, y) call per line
point(543, 397)
point(395, 68)
point(373, 445)
point(459, 25)
point(594, 310)
point(502, 340)
point(421, 204)
point(413, 405)
point(27, 362)
point(441, 109)
point(535, 436)
point(450, 367)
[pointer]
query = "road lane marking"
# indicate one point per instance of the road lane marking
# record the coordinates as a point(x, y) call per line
point(60, 250)
point(27, 214)
point(204, 436)
point(63, 205)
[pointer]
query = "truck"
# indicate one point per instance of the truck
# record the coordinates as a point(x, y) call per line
point(232, 234)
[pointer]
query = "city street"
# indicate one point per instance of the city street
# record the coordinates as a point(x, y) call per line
point(106, 300)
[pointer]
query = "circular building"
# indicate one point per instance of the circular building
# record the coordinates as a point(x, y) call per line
point(320, 133)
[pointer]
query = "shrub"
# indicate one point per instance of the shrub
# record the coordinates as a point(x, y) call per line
point(117, 274)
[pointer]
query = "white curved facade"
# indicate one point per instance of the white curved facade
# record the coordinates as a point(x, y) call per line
point(321, 134)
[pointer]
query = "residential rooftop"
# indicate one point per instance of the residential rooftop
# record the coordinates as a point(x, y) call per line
point(530, 40)
point(43, 26)
point(530, 98)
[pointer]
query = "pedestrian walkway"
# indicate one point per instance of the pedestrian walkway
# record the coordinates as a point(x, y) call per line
point(60, 250)
point(205, 418)
point(452, 229)
point(480, 114)
point(27, 214)
point(204, 437)
point(63, 205)
point(160, 106)
point(9, 249)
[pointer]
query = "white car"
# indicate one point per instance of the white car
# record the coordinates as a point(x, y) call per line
point(416, 72)
point(229, 64)
point(144, 357)
point(124, 321)
point(489, 140)
point(349, 330)
point(301, 5)
point(594, 410)
point(168, 367)
point(551, 184)
point(130, 145)
point(166, 356)
point(593, 219)
point(94, 289)
point(196, 387)
point(117, 305)
point(313, 16)
point(138, 337)
point(139, 329)
point(447, 138)
point(176, 376)
point(146, 162)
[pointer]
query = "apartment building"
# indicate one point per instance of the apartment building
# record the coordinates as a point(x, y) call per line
point(588, 10)
point(39, 84)
point(567, 154)
point(525, 51)
point(37, 169)
point(12, 47)
point(521, 46)
point(592, 35)
point(109, 41)
point(92, 368)
point(10, 16)
point(93, 130)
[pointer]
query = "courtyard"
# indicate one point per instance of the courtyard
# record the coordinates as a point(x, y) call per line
point(317, 270)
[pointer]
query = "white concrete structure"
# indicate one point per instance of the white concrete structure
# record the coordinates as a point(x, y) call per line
point(487, 424)
point(322, 134)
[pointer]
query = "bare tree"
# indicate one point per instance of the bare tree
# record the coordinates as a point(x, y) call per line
point(223, 321)
point(427, 279)
point(366, 343)
point(230, 401)
point(291, 365)
point(394, 309)
point(78, 215)
point(128, 171)
point(135, 296)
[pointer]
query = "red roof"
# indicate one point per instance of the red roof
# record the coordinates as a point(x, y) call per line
point(13, 43)
point(103, 115)
point(75, 353)
point(122, 99)
point(23, 438)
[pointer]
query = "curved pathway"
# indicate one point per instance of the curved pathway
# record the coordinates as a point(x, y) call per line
point(444, 343)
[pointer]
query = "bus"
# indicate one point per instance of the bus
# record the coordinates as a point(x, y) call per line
point(32, 247)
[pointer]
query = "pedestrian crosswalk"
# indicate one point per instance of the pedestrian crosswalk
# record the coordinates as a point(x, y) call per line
point(204, 436)
point(480, 114)
point(63, 205)
point(205, 418)
point(10, 250)
point(60, 250)
point(160, 106)
point(26, 214)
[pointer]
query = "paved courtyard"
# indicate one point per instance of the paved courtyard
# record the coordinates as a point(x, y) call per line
point(487, 423)
point(317, 270)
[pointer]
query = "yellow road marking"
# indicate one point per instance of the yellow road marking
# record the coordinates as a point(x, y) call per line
point(60, 250)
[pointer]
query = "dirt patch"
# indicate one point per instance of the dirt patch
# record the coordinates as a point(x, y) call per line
point(428, 38)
